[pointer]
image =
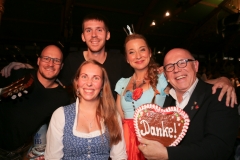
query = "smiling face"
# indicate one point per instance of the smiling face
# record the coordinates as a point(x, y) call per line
point(49, 70)
point(95, 35)
point(137, 53)
point(89, 82)
point(181, 78)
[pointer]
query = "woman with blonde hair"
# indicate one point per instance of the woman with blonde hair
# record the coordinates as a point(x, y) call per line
point(146, 85)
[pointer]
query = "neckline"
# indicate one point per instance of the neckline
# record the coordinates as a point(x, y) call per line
point(86, 57)
point(129, 78)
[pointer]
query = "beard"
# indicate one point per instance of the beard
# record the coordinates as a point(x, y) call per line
point(47, 77)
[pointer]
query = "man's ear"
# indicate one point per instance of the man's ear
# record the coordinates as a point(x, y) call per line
point(38, 61)
point(196, 65)
point(108, 35)
point(83, 38)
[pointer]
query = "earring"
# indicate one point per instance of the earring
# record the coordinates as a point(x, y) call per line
point(77, 92)
point(168, 80)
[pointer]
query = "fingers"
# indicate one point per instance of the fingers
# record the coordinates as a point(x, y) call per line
point(142, 140)
point(233, 98)
point(226, 89)
point(6, 71)
point(143, 143)
point(214, 88)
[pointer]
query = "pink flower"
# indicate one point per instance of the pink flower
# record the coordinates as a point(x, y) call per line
point(137, 93)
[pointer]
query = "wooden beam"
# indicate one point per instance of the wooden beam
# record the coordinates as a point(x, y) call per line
point(143, 18)
point(189, 4)
point(208, 4)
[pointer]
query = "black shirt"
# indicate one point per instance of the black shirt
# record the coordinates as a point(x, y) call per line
point(115, 65)
point(22, 117)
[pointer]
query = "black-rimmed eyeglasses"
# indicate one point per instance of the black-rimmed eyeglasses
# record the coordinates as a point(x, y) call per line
point(48, 59)
point(181, 64)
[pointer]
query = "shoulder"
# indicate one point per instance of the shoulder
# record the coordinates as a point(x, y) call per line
point(75, 55)
point(162, 83)
point(59, 112)
point(114, 55)
point(22, 72)
point(62, 94)
point(205, 86)
point(123, 81)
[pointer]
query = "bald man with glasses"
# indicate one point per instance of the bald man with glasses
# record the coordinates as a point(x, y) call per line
point(213, 126)
point(28, 99)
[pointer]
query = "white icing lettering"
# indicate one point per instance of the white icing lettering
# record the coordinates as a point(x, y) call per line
point(164, 130)
point(158, 131)
point(146, 128)
point(153, 131)
point(170, 130)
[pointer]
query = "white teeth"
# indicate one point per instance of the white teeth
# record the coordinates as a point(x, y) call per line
point(49, 69)
point(88, 90)
point(180, 77)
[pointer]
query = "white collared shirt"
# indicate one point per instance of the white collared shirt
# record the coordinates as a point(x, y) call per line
point(186, 96)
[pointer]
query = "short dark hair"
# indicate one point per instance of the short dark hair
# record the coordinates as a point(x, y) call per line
point(96, 16)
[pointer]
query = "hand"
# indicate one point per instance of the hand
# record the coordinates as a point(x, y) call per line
point(227, 88)
point(152, 149)
point(39, 158)
point(6, 71)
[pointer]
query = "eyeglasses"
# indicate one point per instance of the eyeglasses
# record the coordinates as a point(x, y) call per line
point(181, 64)
point(48, 59)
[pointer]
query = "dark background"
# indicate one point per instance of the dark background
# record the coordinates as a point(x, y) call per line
point(198, 25)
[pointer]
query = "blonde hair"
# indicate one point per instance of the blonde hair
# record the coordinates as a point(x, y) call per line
point(106, 109)
point(152, 73)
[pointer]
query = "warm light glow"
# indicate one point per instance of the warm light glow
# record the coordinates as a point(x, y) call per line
point(153, 23)
point(238, 59)
point(229, 58)
point(159, 52)
point(167, 14)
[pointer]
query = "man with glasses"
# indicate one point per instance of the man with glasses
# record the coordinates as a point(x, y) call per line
point(29, 102)
point(95, 33)
point(213, 126)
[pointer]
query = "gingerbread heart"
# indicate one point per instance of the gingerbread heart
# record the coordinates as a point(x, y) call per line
point(167, 126)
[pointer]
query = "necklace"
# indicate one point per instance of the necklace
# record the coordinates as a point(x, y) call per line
point(90, 123)
point(140, 85)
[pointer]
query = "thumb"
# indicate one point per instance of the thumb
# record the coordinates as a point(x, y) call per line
point(142, 140)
